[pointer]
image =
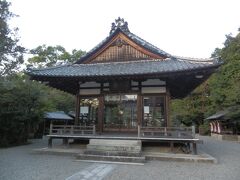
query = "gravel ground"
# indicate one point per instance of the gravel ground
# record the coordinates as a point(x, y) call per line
point(228, 167)
point(19, 163)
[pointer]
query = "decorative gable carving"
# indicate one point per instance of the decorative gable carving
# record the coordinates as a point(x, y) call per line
point(122, 45)
point(119, 50)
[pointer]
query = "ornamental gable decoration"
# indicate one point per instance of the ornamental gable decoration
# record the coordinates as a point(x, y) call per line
point(122, 45)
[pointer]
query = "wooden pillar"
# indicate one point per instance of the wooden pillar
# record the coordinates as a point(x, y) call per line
point(100, 113)
point(50, 142)
point(77, 110)
point(194, 144)
point(65, 141)
point(51, 127)
point(139, 109)
point(172, 146)
point(167, 109)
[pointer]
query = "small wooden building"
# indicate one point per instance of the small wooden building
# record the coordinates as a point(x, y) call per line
point(126, 81)
point(221, 123)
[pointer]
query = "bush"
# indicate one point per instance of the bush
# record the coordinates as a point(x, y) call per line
point(204, 129)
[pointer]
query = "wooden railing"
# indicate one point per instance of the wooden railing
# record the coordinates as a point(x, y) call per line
point(72, 130)
point(177, 132)
point(168, 132)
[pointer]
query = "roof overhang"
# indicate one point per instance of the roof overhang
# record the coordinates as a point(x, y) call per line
point(179, 81)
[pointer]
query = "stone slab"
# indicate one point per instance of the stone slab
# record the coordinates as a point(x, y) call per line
point(205, 158)
point(111, 158)
point(114, 153)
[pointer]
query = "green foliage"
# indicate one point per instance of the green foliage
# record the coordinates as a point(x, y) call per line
point(47, 56)
point(204, 129)
point(219, 92)
point(11, 54)
point(21, 109)
point(23, 103)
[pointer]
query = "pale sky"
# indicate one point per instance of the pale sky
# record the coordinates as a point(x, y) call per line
point(191, 28)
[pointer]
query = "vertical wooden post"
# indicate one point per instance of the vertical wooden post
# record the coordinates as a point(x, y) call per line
point(50, 142)
point(71, 131)
point(139, 131)
point(100, 113)
point(193, 131)
point(194, 144)
point(65, 141)
point(50, 130)
point(94, 129)
point(44, 124)
point(167, 109)
point(139, 109)
point(171, 146)
point(165, 131)
point(77, 110)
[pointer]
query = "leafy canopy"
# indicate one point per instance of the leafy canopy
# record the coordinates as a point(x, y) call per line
point(221, 91)
point(48, 56)
point(11, 54)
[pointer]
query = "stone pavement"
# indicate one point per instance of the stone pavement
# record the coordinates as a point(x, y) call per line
point(94, 172)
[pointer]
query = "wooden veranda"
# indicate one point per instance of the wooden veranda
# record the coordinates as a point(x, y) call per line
point(170, 135)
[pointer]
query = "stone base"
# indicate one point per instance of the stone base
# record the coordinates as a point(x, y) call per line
point(227, 137)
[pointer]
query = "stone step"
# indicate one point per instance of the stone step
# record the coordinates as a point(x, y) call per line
point(134, 146)
point(122, 148)
point(113, 153)
point(111, 158)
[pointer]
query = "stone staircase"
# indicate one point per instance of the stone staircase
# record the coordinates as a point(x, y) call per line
point(113, 150)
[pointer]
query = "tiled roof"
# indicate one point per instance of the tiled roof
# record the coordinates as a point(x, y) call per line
point(58, 115)
point(141, 67)
point(147, 45)
point(218, 115)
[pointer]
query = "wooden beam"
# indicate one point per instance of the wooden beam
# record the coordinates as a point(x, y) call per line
point(100, 113)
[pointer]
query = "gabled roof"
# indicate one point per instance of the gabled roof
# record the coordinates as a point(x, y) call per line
point(121, 27)
point(181, 74)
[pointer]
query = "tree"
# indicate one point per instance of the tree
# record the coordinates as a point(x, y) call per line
point(22, 106)
point(224, 85)
point(11, 54)
point(221, 91)
point(47, 56)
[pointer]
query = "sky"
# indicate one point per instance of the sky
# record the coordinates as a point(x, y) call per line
point(190, 28)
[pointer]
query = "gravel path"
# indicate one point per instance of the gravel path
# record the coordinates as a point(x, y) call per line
point(228, 167)
point(19, 163)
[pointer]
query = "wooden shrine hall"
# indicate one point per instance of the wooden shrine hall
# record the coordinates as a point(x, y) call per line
point(123, 87)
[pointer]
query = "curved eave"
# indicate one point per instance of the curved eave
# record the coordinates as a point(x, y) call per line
point(38, 73)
